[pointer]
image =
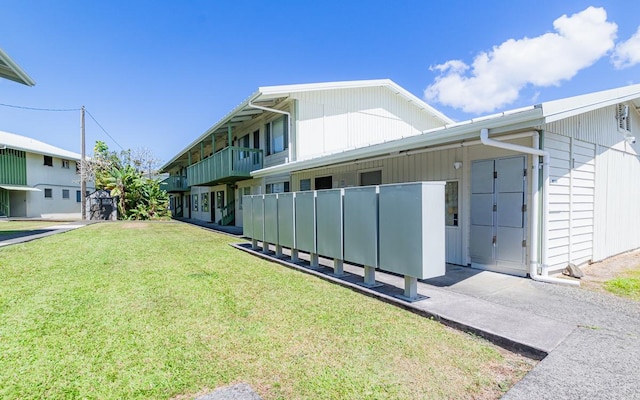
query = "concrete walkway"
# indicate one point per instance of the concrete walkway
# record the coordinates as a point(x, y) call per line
point(589, 342)
point(33, 234)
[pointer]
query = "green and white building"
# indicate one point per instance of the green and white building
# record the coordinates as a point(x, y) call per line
point(38, 180)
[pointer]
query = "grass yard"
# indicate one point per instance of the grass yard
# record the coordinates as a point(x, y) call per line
point(170, 311)
point(626, 285)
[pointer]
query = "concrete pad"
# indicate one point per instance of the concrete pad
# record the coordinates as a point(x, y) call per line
point(520, 331)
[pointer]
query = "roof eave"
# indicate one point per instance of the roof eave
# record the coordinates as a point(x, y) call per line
point(21, 75)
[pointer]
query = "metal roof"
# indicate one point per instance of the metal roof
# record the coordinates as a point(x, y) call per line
point(10, 70)
point(13, 141)
point(513, 120)
point(271, 96)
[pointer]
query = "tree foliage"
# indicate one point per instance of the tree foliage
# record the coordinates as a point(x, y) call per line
point(129, 177)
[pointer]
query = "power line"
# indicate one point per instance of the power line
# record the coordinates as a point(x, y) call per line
point(103, 130)
point(62, 110)
point(39, 109)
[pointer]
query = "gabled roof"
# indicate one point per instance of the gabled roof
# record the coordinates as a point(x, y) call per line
point(269, 96)
point(570, 106)
point(517, 119)
point(10, 70)
point(17, 142)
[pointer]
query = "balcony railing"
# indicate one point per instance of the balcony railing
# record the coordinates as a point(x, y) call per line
point(227, 165)
point(175, 183)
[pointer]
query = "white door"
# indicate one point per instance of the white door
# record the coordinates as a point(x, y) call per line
point(498, 215)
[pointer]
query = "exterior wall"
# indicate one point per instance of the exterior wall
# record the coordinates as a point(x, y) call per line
point(200, 210)
point(426, 166)
point(593, 201)
point(57, 179)
point(330, 121)
point(618, 203)
point(571, 200)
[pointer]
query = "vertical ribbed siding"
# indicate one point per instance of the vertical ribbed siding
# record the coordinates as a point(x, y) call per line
point(617, 212)
point(598, 127)
point(13, 167)
point(337, 120)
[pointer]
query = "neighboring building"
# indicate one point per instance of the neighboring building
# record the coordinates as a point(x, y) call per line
point(528, 191)
point(38, 180)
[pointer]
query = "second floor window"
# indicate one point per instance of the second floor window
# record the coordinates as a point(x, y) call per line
point(65, 164)
point(48, 161)
point(277, 135)
point(65, 193)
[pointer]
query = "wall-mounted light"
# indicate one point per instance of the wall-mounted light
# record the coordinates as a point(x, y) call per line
point(457, 164)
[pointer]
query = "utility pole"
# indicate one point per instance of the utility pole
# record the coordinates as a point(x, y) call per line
point(83, 167)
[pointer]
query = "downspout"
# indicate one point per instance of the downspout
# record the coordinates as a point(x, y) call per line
point(535, 200)
point(288, 114)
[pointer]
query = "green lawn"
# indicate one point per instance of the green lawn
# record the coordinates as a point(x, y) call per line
point(626, 285)
point(167, 310)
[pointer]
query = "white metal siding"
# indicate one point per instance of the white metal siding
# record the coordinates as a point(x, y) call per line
point(617, 213)
point(571, 200)
point(559, 207)
point(330, 121)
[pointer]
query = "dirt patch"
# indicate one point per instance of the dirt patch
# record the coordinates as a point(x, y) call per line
point(596, 274)
point(134, 225)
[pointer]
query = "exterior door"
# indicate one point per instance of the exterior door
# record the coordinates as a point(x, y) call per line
point(498, 215)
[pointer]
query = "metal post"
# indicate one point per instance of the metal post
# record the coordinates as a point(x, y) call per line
point(83, 178)
point(294, 255)
point(313, 260)
point(369, 276)
point(338, 267)
point(278, 250)
point(410, 287)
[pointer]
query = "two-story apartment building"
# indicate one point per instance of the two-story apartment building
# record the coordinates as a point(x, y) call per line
point(528, 190)
point(38, 180)
point(284, 124)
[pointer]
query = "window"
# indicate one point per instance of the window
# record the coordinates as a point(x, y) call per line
point(220, 199)
point(78, 196)
point(622, 115)
point(279, 187)
point(194, 203)
point(324, 182)
point(244, 143)
point(451, 203)
point(77, 168)
point(65, 164)
point(48, 193)
point(65, 193)
point(205, 201)
point(371, 178)
point(277, 135)
point(305, 184)
point(48, 161)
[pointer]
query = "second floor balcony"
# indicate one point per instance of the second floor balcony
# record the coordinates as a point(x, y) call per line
point(175, 183)
point(227, 165)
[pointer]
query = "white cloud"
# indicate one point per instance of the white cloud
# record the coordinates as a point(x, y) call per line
point(495, 78)
point(627, 53)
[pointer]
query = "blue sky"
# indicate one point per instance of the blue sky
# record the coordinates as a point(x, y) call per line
point(157, 74)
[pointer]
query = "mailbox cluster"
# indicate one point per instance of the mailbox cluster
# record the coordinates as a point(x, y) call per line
point(398, 228)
